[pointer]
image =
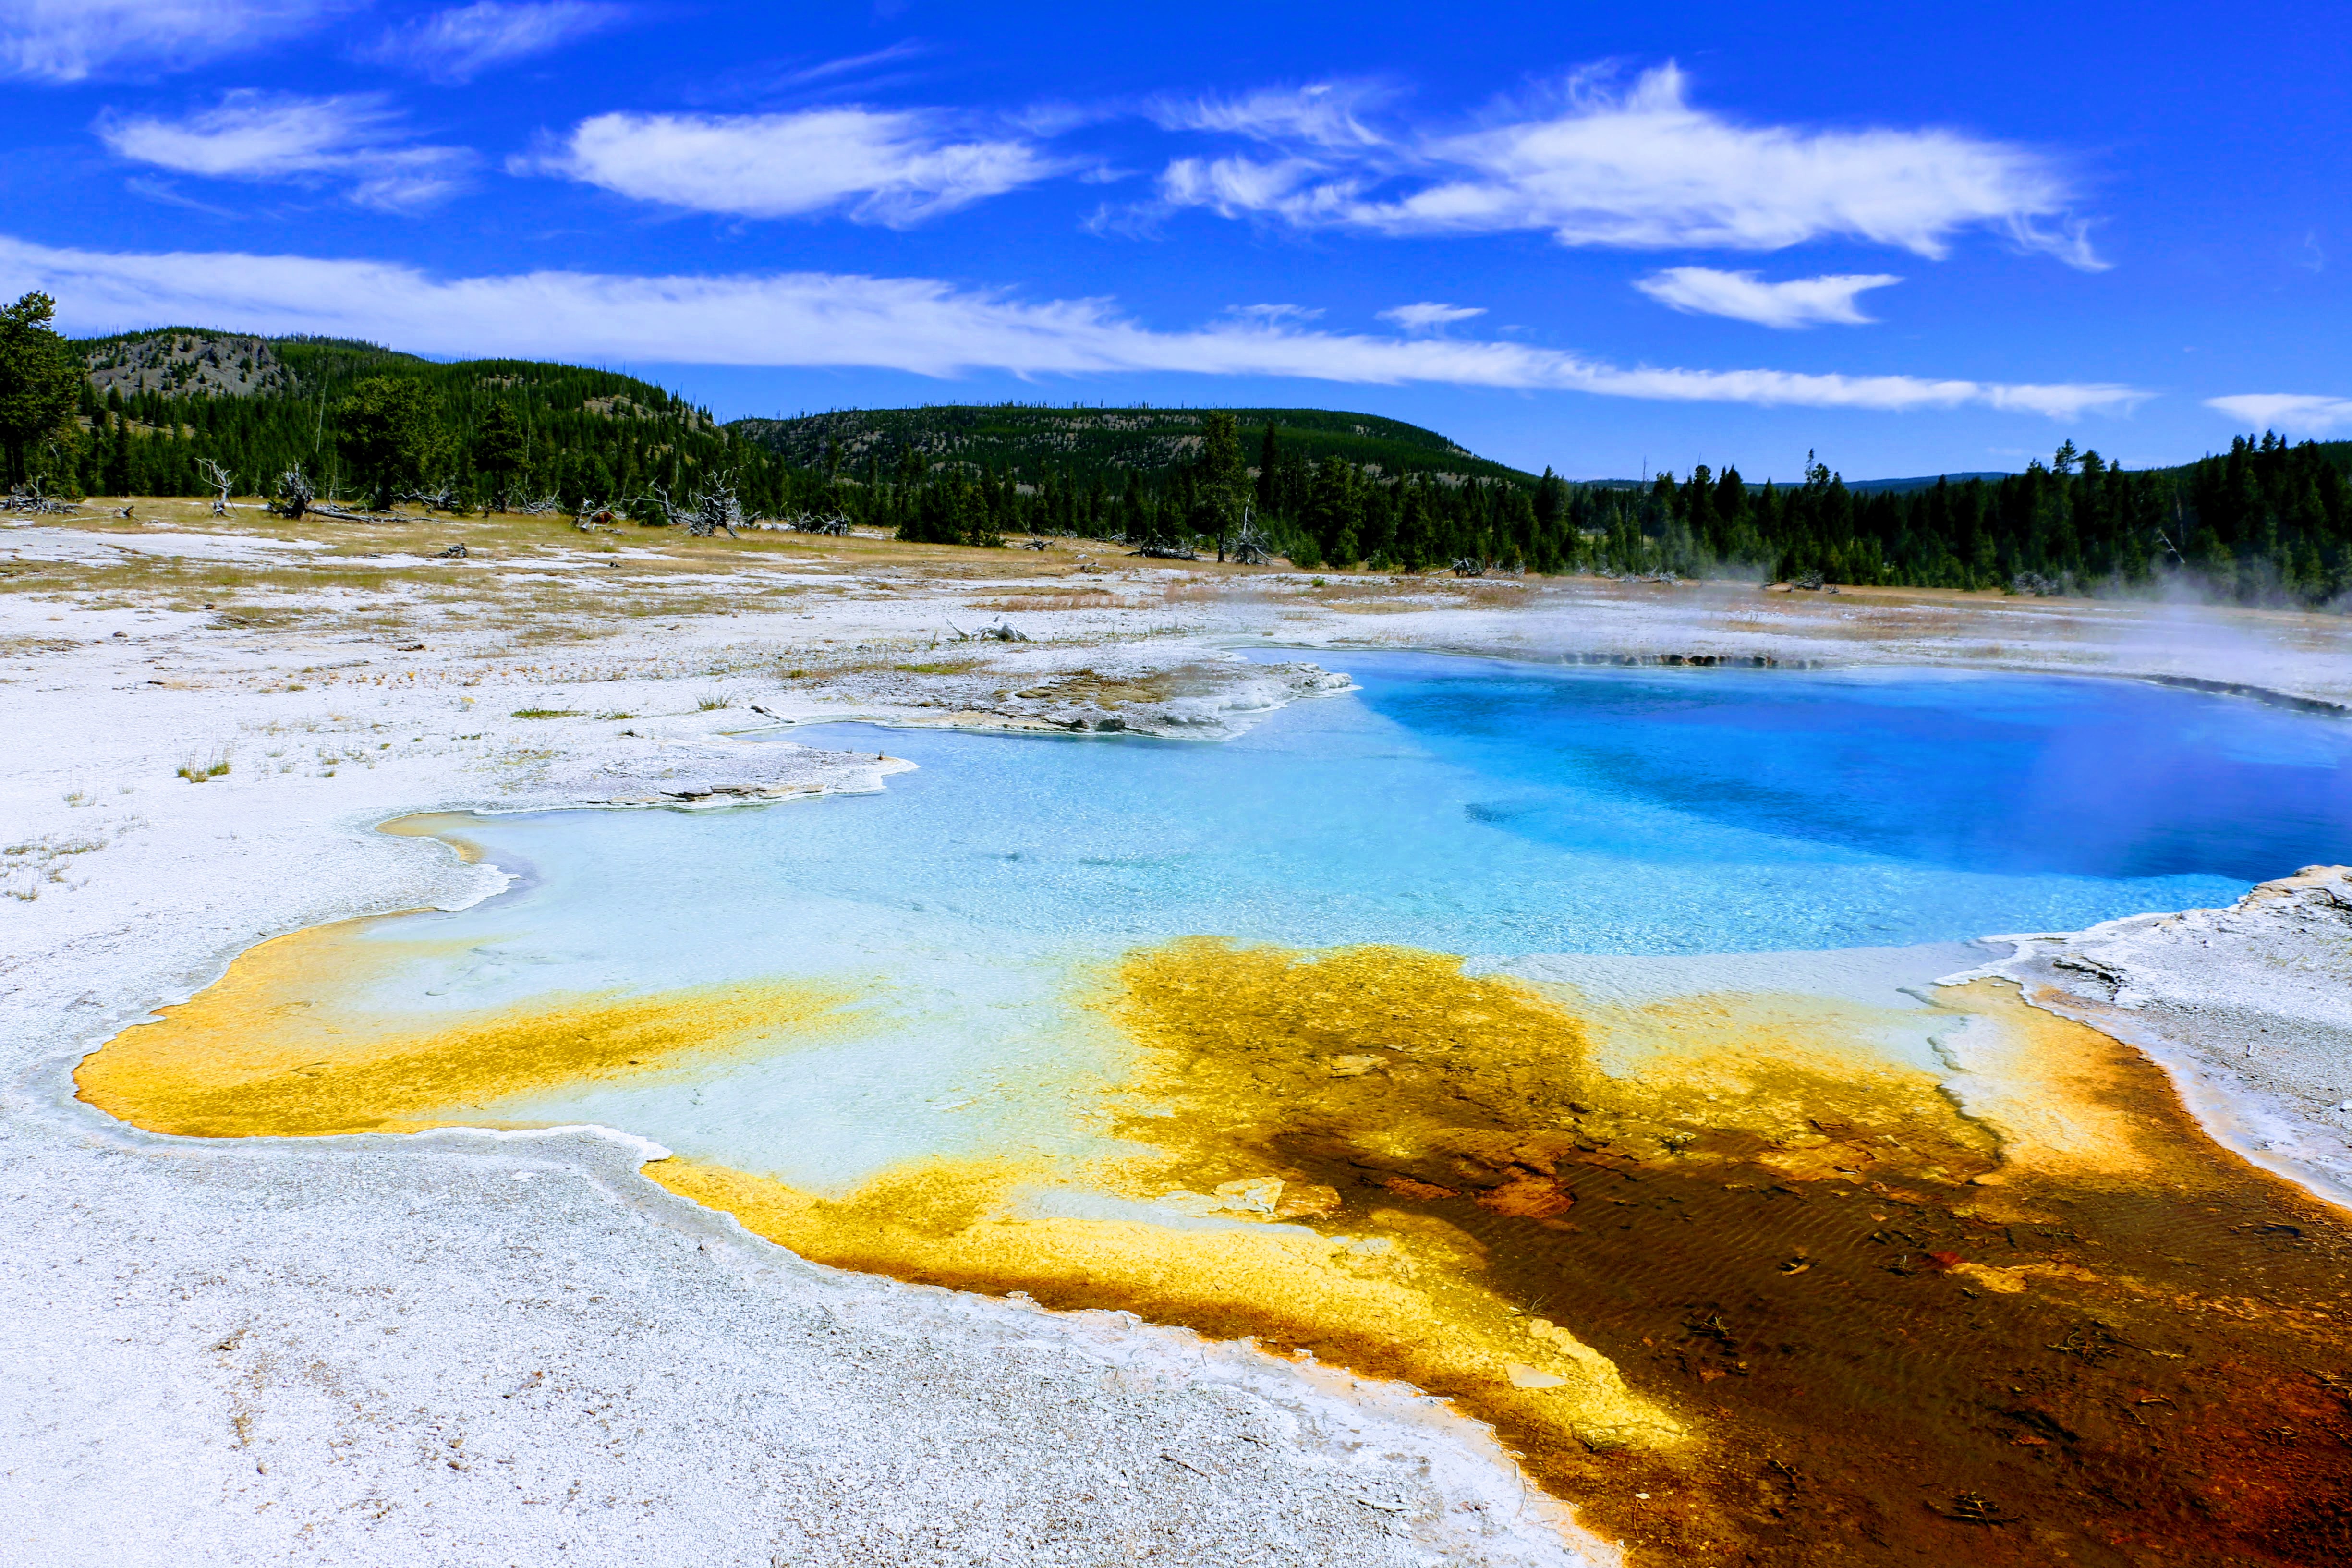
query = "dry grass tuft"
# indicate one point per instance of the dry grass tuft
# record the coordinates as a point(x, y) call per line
point(28, 868)
point(1052, 599)
point(198, 769)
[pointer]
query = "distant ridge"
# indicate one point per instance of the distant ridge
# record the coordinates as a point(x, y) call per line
point(1923, 482)
point(1859, 486)
point(1086, 444)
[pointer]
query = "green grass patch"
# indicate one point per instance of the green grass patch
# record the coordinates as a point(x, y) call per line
point(546, 713)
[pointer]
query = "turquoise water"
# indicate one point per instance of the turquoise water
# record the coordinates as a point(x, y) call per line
point(1470, 807)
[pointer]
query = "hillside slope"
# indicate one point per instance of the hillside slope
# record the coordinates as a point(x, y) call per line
point(156, 402)
point(1084, 446)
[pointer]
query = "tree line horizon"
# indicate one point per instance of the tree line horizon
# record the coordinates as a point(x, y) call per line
point(2268, 521)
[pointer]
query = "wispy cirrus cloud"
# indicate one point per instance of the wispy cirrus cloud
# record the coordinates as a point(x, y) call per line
point(357, 141)
point(2295, 413)
point(1324, 114)
point(918, 324)
point(854, 65)
point(1641, 168)
point(164, 190)
point(1429, 316)
point(1745, 297)
point(70, 40)
point(894, 167)
point(1275, 314)
point(459, 43)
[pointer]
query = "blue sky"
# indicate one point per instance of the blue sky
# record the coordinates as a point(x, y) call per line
point(1917, 240)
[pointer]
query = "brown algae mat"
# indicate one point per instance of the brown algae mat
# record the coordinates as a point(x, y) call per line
point(1756, 1295)
point(1753, 1304)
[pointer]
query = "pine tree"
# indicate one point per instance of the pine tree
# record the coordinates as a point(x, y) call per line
point(1219, 480)
point(40, 383)
point(1269, 477)
point(501, 448)
point(1334, 511)
point(118, 458)
point(388, 431)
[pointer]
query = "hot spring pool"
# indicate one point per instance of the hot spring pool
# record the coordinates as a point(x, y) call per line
point(1564, 1042)
point(1466, 806)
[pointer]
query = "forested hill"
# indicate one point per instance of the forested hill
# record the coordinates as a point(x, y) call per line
point(153, 403)
point(2268, 521)
point(2337, 453)
point(1090, 445)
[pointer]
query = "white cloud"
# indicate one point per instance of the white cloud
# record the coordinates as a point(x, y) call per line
point(1744, 297)
point(1328, 114)
point(459, 43)
point(254, 136)
point(1294, 189)
point(68, 40)
point(888, 167)
point(2297, 413)
point(917, 324)
point(1641, 169)
point(352, 140)
point(1428, 316)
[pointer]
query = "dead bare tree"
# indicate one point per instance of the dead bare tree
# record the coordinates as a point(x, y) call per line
point(1161, 549)
point(221, 479)
point(655, 509)
point(1251, 546)
point(438, 497)
point(294, 495)
point(715, 510)
point(540, 508)
point(2179, 521)
point(1002, 631)
point(30, 497)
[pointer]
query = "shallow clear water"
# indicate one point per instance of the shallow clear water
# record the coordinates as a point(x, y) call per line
point(1469, 807)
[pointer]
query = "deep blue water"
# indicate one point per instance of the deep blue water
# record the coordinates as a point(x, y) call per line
point(2016, 774)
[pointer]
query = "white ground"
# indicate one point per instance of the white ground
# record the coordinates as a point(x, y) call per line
point(2248, 1008)
point(474, 1349)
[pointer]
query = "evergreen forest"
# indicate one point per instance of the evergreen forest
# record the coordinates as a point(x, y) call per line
point(2267, 522)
